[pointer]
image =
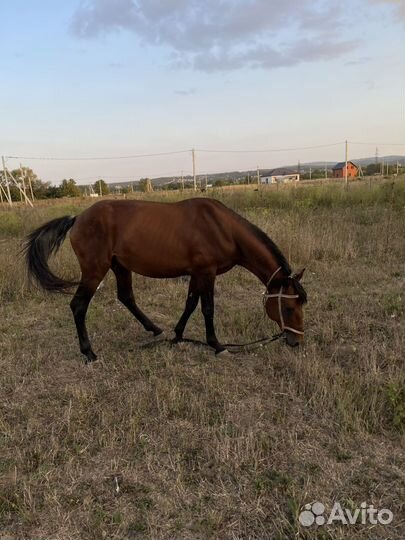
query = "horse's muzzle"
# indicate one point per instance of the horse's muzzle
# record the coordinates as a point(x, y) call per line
point(293, 340)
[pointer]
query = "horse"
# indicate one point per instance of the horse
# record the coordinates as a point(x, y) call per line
point(198, 237)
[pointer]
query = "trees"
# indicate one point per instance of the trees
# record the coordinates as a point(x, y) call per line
point(220, 183)
point(29, 182)
point(126, 189)
point(373, 168)
point(145, 185)
point(101, 187)
point(69, 188)
point(54, 192)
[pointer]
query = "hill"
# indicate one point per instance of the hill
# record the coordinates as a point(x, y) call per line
point(236, 176)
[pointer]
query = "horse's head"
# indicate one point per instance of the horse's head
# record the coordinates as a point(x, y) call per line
point(283, 300)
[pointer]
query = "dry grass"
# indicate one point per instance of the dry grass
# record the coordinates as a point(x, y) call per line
point(199, 447)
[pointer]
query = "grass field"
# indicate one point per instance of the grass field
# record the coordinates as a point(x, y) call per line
point(168, 442)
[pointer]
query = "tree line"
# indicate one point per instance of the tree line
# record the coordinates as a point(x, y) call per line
point(39, 189)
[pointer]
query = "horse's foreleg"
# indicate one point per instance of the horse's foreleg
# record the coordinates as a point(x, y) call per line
point(207, 308)
point(191, 303)
point(126, 296)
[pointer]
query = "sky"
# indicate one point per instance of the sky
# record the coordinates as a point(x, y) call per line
point(247, 83)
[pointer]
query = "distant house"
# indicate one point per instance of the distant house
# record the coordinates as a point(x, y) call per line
point(280, 178)
point(339, 170)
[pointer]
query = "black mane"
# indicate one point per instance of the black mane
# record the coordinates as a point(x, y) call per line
point(268, 242)
point(275, 250)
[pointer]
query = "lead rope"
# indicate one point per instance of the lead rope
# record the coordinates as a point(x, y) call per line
point(265, 340)
point(235, 348)
point(262, 341)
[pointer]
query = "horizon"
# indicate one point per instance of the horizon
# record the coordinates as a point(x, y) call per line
point(127, 180)
point(110, 78)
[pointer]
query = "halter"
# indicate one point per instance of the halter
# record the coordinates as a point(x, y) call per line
point(279, 297)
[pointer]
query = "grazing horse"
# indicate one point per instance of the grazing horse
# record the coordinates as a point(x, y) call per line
point(199, 237)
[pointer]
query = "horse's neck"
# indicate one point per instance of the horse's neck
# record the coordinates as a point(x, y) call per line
point(255, 255)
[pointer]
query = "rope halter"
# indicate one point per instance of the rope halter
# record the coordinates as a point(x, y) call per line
point(280, 295)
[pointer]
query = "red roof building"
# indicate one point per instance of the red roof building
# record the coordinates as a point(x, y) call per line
point(339, 170)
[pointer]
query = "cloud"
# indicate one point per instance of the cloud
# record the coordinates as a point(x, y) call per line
point(267, 57)
point(97, 16)
point(397, 8)
point(391, 9)
point(216, 35)
point(397, 3)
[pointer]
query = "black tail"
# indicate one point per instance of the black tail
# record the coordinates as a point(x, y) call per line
point(40, 245)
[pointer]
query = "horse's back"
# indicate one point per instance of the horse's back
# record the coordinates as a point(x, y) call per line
point(157, 239)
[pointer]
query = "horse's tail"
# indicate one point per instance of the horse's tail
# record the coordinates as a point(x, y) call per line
point(39, 246)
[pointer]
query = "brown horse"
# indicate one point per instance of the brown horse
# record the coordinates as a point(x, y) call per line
point(199, 237)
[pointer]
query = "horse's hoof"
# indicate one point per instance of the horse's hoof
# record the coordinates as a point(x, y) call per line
point(90, 360)
point(223, 354)
point(156, 332)
point(161, 336)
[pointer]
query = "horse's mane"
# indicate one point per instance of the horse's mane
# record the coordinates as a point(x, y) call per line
point(268, 242)
point(275, 250)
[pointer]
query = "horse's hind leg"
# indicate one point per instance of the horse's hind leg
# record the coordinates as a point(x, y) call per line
point(126, 296)
point(191, 303)
point(79, 305)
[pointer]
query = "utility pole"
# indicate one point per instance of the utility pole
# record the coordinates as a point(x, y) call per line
point(99, 187)
point(346, 164)
point(22, 182)
point(2, 192)
point(23, 186)
point(30, 186)
point(5, 176)
point(258, 176)
point(310, 173)
point(182, 181)
point(248, 178)
point(326, 171)
point(194, 176)
point(17, 185)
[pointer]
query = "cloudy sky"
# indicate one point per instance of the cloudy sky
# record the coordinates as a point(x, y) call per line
point(115, 78)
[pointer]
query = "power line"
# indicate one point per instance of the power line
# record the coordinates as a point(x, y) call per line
point(50, 158)
point(132, 177)
point(379, 144)
point(270, 149)
point(202, 150)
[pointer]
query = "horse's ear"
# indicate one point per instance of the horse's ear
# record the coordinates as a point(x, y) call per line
point(298, 275)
